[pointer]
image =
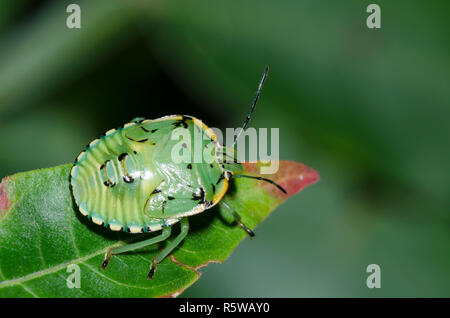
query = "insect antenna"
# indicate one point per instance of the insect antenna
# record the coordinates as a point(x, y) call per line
point(262, 179)
point(266, 70)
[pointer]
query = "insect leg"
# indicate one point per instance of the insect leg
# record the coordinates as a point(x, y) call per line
point(129, 247)
point(237, 218)
point(166, 251)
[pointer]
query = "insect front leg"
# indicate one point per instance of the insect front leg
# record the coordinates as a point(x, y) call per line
point(237, 219)
point(166, 251)
point(130, 247)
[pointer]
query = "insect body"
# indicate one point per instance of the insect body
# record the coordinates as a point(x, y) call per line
point(130, 179)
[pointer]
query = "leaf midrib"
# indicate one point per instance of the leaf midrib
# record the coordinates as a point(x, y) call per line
point(54, 269)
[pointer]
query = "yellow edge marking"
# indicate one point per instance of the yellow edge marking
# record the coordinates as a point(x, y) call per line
point(94, 142)
point(155, 227)
point(221, 194)
point(80, 155)
point(128, 125)
point(135, 229)
point(199, 208)
point(83, 211)
point(97, 220)
point(109, 132)
point(72, 170)
point(115, 227)
point(169, 117)
point(202, 125)
point(172, 221)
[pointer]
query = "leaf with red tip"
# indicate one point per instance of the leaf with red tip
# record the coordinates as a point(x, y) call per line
point(42, 234)
point(292, 176)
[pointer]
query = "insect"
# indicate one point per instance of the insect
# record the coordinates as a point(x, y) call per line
point(127, 179)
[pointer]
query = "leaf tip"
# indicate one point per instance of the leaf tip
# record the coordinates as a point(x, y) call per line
point(295, 176)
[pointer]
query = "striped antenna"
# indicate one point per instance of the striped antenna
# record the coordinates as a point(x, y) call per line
point(266, 70)
point(262, 179)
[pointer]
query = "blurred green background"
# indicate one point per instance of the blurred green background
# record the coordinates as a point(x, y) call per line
point(368, 109)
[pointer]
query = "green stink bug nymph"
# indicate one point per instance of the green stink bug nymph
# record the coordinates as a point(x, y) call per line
point(126, 180)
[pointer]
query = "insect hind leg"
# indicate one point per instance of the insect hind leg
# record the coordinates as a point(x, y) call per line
point(166, 251)
point(130, 247)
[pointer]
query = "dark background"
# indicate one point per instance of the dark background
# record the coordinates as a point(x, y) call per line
point(368, 109)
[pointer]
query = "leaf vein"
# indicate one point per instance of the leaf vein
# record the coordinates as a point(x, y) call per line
point(53, 269)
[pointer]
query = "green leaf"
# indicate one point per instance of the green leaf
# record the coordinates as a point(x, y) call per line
point(42, 233)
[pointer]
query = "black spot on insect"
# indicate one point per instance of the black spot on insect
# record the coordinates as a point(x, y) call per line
point(135, 152)
point(200, 197)
point(153, 130)
point(128, 179)
point(228, 175)
point(132, 139)
point(128, 230)
point(163, 206)
point(213, 187)
point(109, 184)
point(102, 166)
point(156, 191)
point(178, 123)
point(170, 197)
point(220, 178)
point(211, 165)
point(122, 156)
point(223, 166)
point(181, 122)
point(184, 145)
point(148, 229)
point(208, 204)
point(203, 194)
point(144, 129)
point(189, 166)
